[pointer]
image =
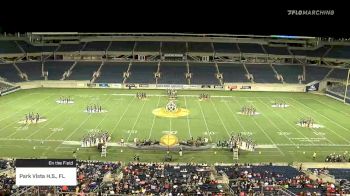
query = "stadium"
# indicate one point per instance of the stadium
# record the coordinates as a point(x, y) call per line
point(177, 113)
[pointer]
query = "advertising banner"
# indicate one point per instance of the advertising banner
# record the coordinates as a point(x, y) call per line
point(246, 87)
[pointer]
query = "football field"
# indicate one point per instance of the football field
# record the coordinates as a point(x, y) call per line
point(275, 130)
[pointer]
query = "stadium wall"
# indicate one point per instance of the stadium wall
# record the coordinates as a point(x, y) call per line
point(265, 87)
point(230, 86)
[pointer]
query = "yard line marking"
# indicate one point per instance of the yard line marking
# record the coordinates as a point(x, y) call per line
point(300, 103)
point(222, 122)
point(12, 100)
point(235, 117)
point(31, 105)
point(311, 128)
point(263, 131)
point(343, 138)
point(16, 122)
point(205, 121)
point(188, 121)
point(105, 114)
point(72, 118)
point(126, 109)
point(267, 106)
point(46, 124)
point(154, 118)
point(76, 129)
point(137, 119)
point(345, 113)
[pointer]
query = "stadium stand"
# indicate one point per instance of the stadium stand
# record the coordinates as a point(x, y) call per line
point(225, 48)
point(340, 173)
point(142, 73)
point(56, 69)
point(172, 73)
point(112, 72)
point(70, 47)
point(3, 87)
point(316, 73)
point(174, 47)
point(341, 74)
point(147, 46)
point(252, 179)
point(32, 69)
point(262, 73)
point(233, 72)
point(199, 47)
point(319, 52)
point(96, 46)
point(340, 89)
point(289, 72)
point(276, 50)
point(7, 47)
point(140, 178)
point(9, 72)
point(122, 46)
point(341, 52)
point(84, 70)
point(32, 49)
point(203, 73)
point(250, 48)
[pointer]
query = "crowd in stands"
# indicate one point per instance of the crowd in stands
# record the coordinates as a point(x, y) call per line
point(90, 175)
point(164, 179)
point(253, 179)
point(178, 179)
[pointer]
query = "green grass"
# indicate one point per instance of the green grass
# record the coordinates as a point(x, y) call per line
point(129, 117)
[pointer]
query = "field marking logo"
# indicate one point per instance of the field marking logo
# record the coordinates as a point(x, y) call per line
point(209, 132)
point(246, 133)
point(22, 128)
point(170, 132)
point(319, 133)
point(130, 131)
point(281, 133)
point(56, 129)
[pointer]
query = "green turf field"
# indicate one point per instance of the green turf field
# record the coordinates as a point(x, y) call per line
point(216, 118)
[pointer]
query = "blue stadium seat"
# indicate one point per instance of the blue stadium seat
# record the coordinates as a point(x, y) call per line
point(96, 46)
point(199, 47)
point(9, 72)
point(341, 52)
point(142, 73)
point(337, 73)
point(56, 69)
point(233, 72)
point(122, 46)
point(27, 47)
point(276, 50)
point(112, 72)
point(147, 46)
point(70, 47)
point(203, 73)
point(262, 73)
point(172, 73)
point(32, 69)
point(84, 70)
point(250, 48)
point(174, 47)
point(315, 73)
point(289, 72)
point(226, 48)
point(7, 47)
